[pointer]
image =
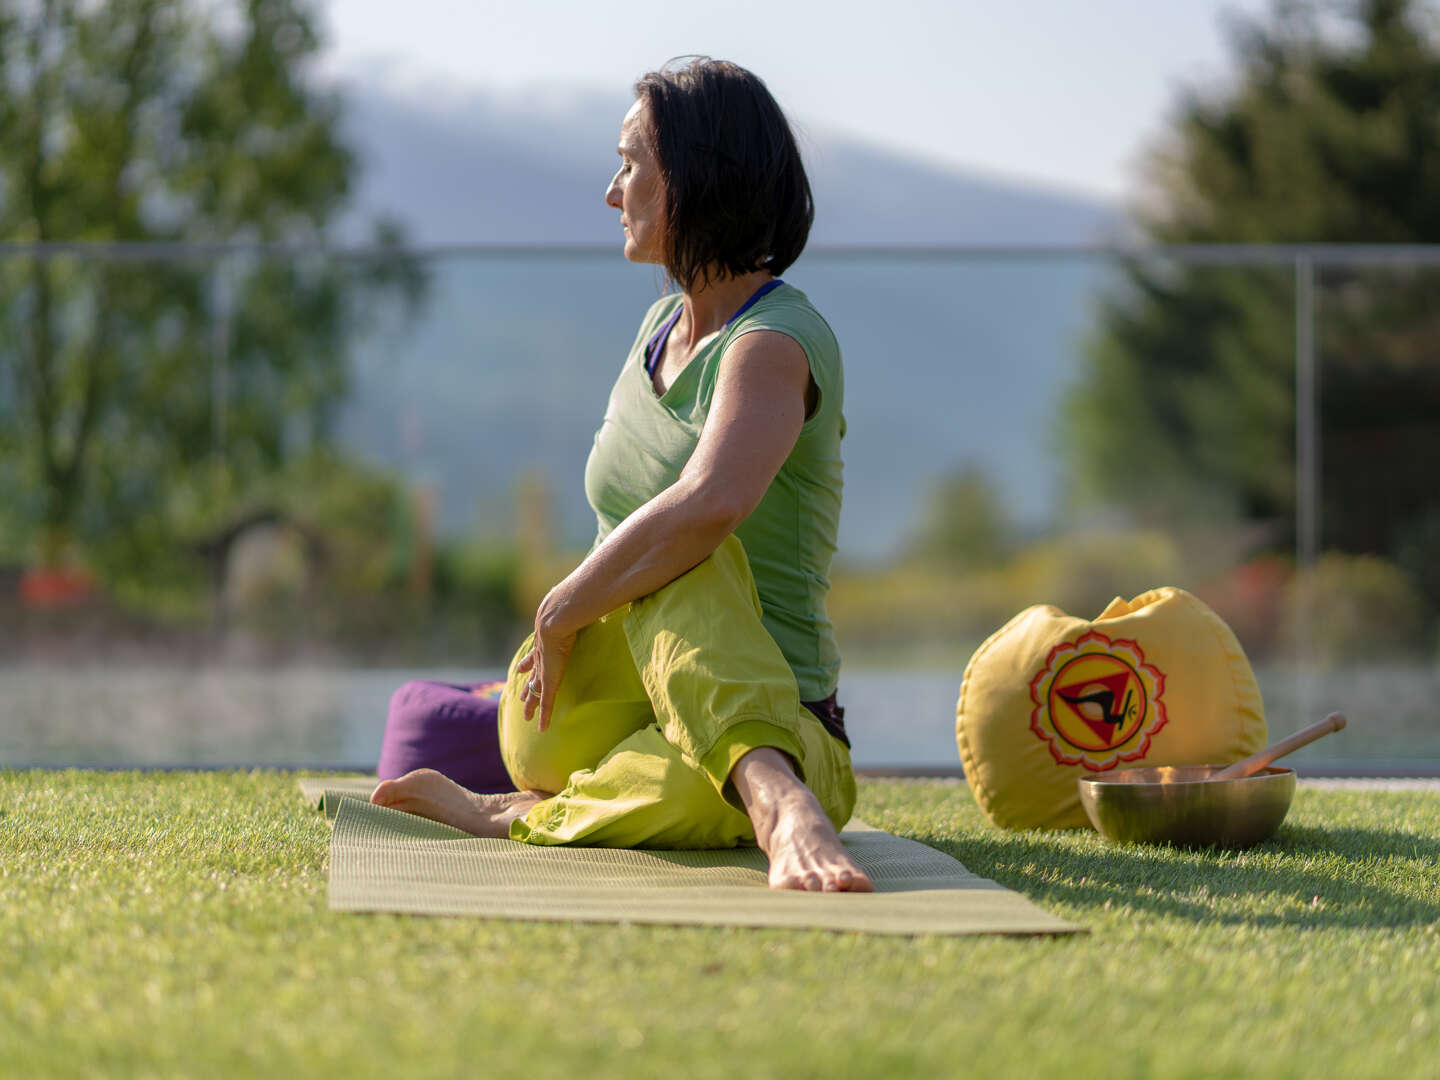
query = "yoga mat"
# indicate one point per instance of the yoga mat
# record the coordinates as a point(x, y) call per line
point(315, 789)
point(384, 860)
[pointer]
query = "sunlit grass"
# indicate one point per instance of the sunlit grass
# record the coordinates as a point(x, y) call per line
point(175, 924)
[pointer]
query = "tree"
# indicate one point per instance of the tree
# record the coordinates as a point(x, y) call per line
point(964, 524)
point(139, 391)
point(1187, 404)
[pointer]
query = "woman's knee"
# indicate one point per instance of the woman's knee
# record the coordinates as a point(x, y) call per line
point(600, 701)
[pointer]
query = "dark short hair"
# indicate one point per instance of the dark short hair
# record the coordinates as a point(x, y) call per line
point(736, 195)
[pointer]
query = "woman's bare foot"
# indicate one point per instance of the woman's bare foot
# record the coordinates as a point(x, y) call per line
point(805, 851)
point(433, 795)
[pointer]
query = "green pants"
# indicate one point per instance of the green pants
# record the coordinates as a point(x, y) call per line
point(659, 701)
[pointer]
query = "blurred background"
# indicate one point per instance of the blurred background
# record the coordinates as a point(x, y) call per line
point(308, 313)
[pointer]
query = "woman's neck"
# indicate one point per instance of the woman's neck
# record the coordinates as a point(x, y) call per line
point(708, 307)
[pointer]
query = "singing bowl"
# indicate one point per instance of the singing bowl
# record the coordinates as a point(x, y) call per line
point(1179, 805)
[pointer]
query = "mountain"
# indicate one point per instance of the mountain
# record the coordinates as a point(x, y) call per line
point(484, 168)
point(949, 362)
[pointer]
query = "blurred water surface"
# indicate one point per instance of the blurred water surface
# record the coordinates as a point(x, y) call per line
point(317, 716)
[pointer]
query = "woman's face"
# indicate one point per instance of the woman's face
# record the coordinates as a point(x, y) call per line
point(637, 190)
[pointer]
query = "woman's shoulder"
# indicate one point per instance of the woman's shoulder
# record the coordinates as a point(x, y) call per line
point(787, 302)
point(790, 312)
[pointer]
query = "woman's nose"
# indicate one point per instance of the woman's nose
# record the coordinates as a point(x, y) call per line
point(613, 192)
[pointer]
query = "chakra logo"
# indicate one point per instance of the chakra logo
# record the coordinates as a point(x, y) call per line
point(1097, 702)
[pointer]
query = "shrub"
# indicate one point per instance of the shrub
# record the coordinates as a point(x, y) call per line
point(1354, 607)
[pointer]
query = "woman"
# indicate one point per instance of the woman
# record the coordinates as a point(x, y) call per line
point(659, 700)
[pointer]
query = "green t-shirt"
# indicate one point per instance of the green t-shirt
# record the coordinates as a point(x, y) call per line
point(645, 441)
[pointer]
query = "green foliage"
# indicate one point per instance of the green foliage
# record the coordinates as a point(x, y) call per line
point(964, 524)
point(1187, 407)
point(176, 925)
point(1186, 410)
point(327, 506)
point(476, 592)
point(1352, 608)
point(917, 613)
point(347, 570)
point(134, 386)
point(1326, 137)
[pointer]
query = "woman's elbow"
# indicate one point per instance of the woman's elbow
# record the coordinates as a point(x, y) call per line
point(718, 513)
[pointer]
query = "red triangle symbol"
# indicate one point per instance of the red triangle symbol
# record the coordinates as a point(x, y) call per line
point(1105, 729)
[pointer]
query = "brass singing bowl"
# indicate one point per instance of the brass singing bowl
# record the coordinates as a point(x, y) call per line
point(1179, 805)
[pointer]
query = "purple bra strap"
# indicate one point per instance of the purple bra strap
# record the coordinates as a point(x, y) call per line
point(756, 295)
point(656, 345)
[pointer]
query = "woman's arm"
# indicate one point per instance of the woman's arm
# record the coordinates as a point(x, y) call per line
point(754, 421)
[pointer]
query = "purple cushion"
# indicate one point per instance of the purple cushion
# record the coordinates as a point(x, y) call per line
point(449, 727)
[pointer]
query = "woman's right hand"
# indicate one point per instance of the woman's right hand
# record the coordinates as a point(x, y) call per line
point(546, 661)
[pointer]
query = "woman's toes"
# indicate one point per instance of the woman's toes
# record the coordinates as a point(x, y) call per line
point(795, 880)
point(420, 783)
point(847, 879)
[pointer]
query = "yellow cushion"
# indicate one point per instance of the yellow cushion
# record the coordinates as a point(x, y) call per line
point(1049, 698)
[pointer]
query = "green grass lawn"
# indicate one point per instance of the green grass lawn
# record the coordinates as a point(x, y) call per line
point(175, 924)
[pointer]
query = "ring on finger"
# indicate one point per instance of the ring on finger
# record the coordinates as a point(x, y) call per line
point(532, 689)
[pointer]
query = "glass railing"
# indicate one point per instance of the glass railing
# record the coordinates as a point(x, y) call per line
point(244, 494)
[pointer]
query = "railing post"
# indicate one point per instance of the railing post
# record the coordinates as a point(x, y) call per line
point(219, 360)
point(1307, 483)
point(221, 303)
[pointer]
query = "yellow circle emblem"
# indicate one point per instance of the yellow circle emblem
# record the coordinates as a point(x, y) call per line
point(1097, 702)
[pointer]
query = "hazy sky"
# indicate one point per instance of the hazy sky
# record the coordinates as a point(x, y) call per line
point(1063, 92)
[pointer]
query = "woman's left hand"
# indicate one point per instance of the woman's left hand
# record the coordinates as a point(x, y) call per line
point(545, 662)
